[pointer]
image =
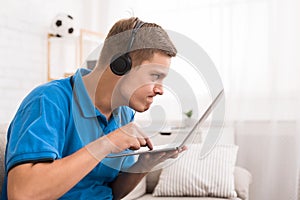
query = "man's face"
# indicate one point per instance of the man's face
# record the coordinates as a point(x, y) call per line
point(144, 82)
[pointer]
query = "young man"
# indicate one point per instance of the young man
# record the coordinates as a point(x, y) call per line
point(59, 139)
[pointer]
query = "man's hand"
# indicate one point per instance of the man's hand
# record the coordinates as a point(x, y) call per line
point(129, 136)
point(148, 161)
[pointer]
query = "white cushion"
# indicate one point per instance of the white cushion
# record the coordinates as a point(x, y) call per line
point(150, 197)
point(211, 176)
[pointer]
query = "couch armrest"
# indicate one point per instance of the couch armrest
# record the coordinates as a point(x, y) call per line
point(242, 181)
point(3, 130)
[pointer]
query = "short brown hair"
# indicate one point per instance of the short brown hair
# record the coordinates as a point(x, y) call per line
point(150, 38)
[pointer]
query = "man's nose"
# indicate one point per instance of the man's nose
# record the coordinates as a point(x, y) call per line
point(158, 89)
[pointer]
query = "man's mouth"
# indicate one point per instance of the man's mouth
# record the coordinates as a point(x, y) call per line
point(150, 99)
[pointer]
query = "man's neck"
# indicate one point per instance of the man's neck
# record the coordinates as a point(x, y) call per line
point(100, 86)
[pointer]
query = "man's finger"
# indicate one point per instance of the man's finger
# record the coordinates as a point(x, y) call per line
point(149, 143)
point(144, 136)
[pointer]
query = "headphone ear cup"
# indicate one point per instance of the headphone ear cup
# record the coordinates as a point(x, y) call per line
point(120, 64)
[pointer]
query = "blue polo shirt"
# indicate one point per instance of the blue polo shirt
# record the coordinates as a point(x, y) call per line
point(57, 119)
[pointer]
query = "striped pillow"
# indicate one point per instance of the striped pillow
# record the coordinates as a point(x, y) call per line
point(191, 176)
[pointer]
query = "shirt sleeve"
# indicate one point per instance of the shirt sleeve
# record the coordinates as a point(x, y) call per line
point(36, 134)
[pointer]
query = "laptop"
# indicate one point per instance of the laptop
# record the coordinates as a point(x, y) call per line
point(173, 146)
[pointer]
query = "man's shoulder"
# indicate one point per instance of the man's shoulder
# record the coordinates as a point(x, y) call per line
point(59, 86)
point(57, 91)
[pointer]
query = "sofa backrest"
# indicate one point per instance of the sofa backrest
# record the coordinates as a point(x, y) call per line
point(3, 131)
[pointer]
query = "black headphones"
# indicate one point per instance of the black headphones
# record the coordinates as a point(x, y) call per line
point(121, 63)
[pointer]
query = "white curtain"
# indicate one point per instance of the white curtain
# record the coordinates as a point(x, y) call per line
point(259, 42)
point(262, 79)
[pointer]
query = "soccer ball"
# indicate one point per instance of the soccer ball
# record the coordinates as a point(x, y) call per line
point(63, 25)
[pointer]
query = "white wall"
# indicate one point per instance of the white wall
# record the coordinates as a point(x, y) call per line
point(23, 43)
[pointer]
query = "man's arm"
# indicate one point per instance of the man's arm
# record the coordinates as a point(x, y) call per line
point(50, 180)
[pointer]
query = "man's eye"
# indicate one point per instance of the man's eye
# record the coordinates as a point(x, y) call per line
point(155, 77)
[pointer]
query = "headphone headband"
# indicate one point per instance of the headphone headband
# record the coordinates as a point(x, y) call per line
point(136, 27)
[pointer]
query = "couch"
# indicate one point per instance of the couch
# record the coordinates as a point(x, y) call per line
point(3, 129)
point(144, 190)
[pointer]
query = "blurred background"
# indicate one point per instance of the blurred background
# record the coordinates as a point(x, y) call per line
point(254, 44)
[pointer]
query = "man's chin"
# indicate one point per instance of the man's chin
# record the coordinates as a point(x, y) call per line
point(146, 108)
point(141, 109)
